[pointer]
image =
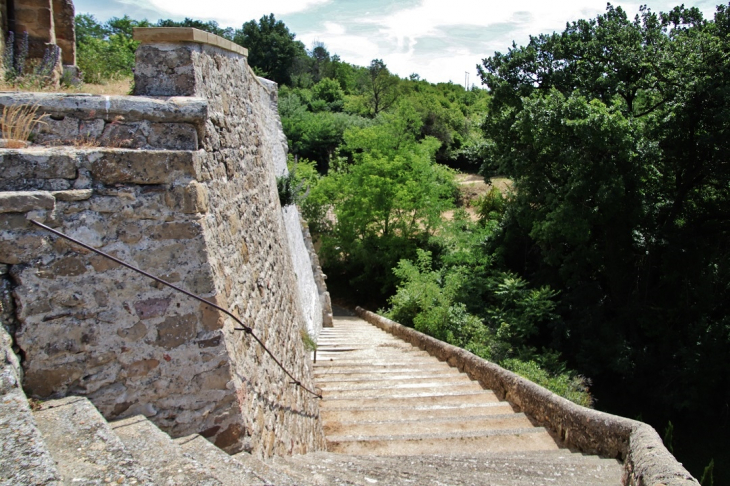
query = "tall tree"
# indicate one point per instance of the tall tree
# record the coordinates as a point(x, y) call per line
point(381, 87)
point(272, 48)
point(615, 133)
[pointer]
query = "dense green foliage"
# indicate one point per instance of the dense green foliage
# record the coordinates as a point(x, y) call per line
point(612, 255)
point(105, 51)
point(615, 134)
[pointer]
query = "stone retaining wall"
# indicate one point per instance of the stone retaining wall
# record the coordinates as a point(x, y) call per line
point(646, 461)
point(194, 201)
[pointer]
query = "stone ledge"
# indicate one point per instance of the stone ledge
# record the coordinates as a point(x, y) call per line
point(174, 109)
point(29, 168)
point(646, 461)
point(24, 201)
point(151, 35)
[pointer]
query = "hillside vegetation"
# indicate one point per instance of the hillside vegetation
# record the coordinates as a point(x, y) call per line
point(607, 258)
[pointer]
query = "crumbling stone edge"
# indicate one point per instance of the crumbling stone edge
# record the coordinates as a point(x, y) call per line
point(646, 461)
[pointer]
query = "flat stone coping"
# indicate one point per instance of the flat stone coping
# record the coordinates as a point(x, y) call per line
point(150, 35)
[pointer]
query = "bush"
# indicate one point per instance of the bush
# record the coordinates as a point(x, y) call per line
point(566, 384)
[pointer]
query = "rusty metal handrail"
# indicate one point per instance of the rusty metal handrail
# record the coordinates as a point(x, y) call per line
point(244, 327)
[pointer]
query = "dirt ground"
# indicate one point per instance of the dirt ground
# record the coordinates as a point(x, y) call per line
point(472, 186)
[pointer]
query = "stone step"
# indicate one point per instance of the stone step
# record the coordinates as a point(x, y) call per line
point(366, 354)
point(520, 439)
point(408, 413)
point(24, 456)
point(408, 381)
point(227, 469)
point(432, 426)
point(409, 402)
point(333, 378)
point(533, 468)
point(405, 391)
point(84, 446)
point(331, 369)
point(394, 362)
point(156, 451)
point(272, 474)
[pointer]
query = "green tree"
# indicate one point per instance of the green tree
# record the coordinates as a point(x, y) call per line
point(272, 48)
point(614, 133)
point(210, 26)
point(380, 86)
point(106, 51)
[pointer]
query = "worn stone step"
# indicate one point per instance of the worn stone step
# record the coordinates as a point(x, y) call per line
point(409, 413)
point(368, 354)
point(331, 369)
point(84, 446)
point(413, 402)
point(375, 362)
point(408, 381)
point(523, 439)
point(406, 391)
point(156, 451)
point(272, 474)
point(432, 426)
point(24, 456)
point(395, 376)
point(530, 468)
point(227, 469)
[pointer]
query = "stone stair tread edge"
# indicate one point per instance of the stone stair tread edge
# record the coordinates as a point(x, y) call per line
point(84, 446)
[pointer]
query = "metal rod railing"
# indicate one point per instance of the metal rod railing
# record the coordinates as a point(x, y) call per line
point(244, 327)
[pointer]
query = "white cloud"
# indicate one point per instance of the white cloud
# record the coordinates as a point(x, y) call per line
point(231, 13)
point(397, 35)
point(437, 39)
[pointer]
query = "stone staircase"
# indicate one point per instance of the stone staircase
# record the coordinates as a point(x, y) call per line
point(393, 415)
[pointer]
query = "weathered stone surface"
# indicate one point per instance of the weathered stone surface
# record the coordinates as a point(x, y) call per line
point(17, 165)
point(73, 195)
point(21, 248)
point(24, 458)
point(65, 30)
point(84, 446)
point(190, 199)
point(109, 108)
point(208, 220)
point(243, 146)
point(308, 293)
point(175, 331)
point(24, 201)
point(135, 167)
point(156, 452)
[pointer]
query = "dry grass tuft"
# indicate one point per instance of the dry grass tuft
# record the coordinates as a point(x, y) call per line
point(17, 122)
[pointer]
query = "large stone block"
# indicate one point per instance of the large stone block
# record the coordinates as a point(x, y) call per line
point(24, 201)
point(148, 167)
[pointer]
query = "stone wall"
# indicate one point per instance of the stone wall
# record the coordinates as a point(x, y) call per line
point(201, 211)
point(646, 461)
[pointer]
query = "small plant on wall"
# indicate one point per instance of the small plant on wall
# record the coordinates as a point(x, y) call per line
point(17, 123)
point(291, 190)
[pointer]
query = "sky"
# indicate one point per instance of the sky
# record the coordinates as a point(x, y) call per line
point(440, 40)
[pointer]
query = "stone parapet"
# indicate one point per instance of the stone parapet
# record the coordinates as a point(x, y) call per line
point(646, 461)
